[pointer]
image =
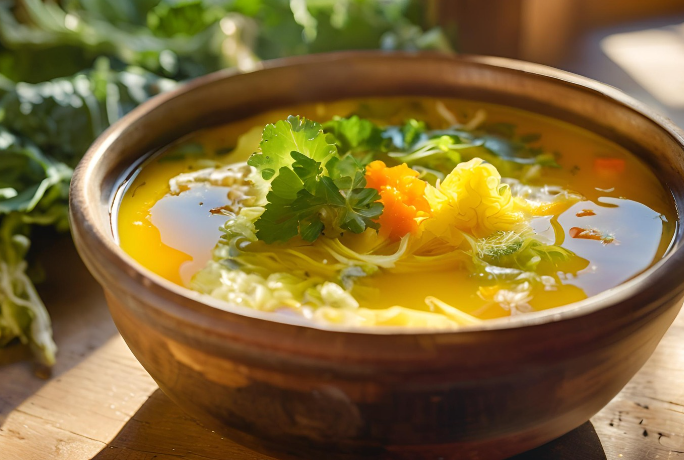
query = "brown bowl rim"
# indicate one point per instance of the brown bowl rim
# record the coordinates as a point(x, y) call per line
point(654, 279)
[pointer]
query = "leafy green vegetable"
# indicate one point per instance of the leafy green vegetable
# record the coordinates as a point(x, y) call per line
point(296, 134)
point(305, 26)
point(361, 204)
point(33, 191)
point(313, 190)
point(32, 183)
point(84, 33)
point(356, 135)
point(22, 313)
point(188, 38)
point(407, 136)
point(120, 13)
point(413, 131)
point(502, 140)
point(184, 17)
point(64, 116)
point(435, 153)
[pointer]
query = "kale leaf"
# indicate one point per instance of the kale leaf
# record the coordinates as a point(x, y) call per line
point(63, 116)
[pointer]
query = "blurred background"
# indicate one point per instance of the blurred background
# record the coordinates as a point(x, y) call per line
point(70, 68)
point(635, 45)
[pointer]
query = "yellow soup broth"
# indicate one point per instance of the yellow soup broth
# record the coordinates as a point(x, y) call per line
point(174, 235)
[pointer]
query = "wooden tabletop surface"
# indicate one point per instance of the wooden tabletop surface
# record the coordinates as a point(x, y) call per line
point(101, 404)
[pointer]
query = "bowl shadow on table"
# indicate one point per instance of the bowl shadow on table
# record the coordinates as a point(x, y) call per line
point(162, 429)
point(80, 319)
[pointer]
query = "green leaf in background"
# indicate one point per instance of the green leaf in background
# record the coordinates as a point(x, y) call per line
point(22, 313)
point(188, 38)
point(87, 35)
point(27, 177)
point(64, 116)
point(33, 191)
point(122, 12)
point(184, 17)
point(333, 25)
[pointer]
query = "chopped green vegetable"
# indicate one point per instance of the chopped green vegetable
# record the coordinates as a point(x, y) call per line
point(438, 155)
point(312, 188)
point(406, 137)
point(357, 136)
point(434, 153)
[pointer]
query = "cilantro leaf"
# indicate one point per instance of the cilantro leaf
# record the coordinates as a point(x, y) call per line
point(296, 134)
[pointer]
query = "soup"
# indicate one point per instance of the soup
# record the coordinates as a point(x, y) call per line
point(425, 212)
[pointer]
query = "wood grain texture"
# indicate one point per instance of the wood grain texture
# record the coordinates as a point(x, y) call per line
point(100, 404)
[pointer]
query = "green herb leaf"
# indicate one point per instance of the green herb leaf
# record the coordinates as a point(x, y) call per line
point(413, 131)
point(406, 137)
point(356, 135)
point(296, 134)
point(547, 159)
point(307, 198)
point(361, 206)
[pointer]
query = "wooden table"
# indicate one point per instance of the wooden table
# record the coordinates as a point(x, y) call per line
point(101, 404)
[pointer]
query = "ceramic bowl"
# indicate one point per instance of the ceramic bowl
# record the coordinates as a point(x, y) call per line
point(482, 392)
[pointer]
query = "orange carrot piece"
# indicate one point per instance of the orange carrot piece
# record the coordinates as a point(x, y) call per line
point(403, 197)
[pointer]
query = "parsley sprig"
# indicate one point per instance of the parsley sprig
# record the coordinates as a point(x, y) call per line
point(313, 188)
